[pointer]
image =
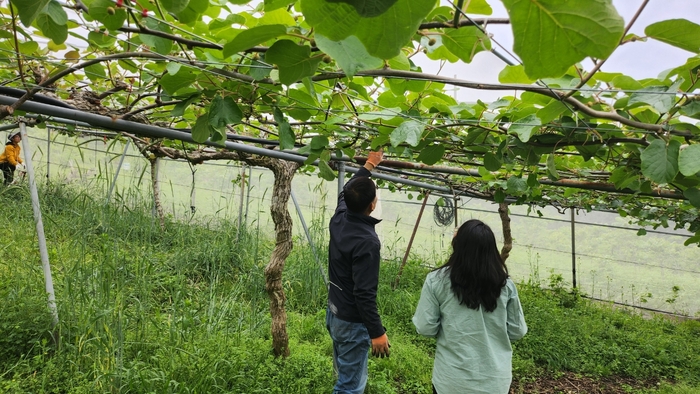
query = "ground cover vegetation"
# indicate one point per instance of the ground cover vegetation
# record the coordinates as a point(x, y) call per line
point(323, 81)
point(185, 311)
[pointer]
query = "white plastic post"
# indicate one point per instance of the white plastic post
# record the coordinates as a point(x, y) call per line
point(48, 154)
point(43, 252)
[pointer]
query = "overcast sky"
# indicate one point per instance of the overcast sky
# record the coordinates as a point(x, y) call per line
point(638, 59)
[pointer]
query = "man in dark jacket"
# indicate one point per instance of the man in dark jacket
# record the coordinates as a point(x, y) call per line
point(352, 318)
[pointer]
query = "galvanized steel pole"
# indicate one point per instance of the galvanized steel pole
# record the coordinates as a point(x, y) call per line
point(43, 252)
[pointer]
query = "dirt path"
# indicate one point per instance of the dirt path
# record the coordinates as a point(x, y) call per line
point(570, 383)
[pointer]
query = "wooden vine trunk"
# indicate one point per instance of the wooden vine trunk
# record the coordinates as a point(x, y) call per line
point(281, 191)
point(284, 172)
point(507, 236)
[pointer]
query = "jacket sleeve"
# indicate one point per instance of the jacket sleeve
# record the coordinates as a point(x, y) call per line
point(365, 273)
point(427, 316)
point(515, 322)
point(362, 172)
point(13, 155)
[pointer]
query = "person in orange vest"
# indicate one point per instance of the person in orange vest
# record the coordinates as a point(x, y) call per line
point(10, 158)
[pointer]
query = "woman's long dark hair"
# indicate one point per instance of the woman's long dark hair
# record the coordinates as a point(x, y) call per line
point(477, 272)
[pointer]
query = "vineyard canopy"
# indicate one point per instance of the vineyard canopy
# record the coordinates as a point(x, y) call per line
point(331, 79)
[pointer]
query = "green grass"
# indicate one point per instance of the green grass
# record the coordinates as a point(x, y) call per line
point(185, 311)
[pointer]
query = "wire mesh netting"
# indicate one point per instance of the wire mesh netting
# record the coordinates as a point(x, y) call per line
point(611, 261)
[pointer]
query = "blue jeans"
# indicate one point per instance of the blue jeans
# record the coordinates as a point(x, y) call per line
point(351, 344)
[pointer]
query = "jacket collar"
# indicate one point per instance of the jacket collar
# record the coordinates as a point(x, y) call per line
point(363, 218)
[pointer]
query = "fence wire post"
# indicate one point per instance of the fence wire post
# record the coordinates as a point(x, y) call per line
point(116, 174)
point(43, 252)
point(573, 247)
point(48, 153)
point(247, 198)
point(308, 237)
point(240, 206)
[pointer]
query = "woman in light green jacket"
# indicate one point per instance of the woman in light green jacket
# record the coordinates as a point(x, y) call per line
point(472, 307)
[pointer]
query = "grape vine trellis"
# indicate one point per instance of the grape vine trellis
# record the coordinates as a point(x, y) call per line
point(333, 78)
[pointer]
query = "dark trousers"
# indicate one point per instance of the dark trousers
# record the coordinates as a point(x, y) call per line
point(8, 172)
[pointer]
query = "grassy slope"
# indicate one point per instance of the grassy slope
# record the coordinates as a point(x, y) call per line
point(185, 311)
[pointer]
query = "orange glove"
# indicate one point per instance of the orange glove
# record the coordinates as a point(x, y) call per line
point(380, 346)
point(374, 158)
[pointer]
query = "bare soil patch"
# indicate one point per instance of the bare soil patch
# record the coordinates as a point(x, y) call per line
point(570, 383)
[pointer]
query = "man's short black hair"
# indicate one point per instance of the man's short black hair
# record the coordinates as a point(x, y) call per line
point(359, 194)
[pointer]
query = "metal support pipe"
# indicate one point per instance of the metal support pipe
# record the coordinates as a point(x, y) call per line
point(108, 123)
point(193, 192)
point(247, 198)
point(156, 185)
point(240, 206)
point(341, 176)
point(573, 246)
point(48, 154)
point(119, 167)
point(8, 127)
point(308, 237)
point(408, 182)
point(43, 252)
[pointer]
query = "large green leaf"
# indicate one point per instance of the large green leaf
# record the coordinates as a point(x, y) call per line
point(57, 33)
point(158, 44)
point(252, 37)
point(437, 51)
point(656, 96)
point(100, 39)
point(409, 131)
point(350, 54)
point(325, 171)
point(466, 42)
point(294, 61)
point(223, 112)
point(271, 5)
point(174, 6)
point(95, 72)
point(552, 35)
point(552, 167)
point(29, 10)
point(277, 17)
point(524, 127)
point(172, 83)
point(693, 195)
point(286, 134)
point(368, 8)
point(55, 11)
point(194, 9)
point(689, 160)
point(680, 33)
point(479, 7)
point(491, 162)
point(431, 154)
point(691, 109)
point(108, 13)
point(383, 35)
point(551, 111)
point(200, 131)
point(660, 162)
point(516, 184)
point(514, 74)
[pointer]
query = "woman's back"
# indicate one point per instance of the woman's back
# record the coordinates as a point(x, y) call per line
point(473, 352)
